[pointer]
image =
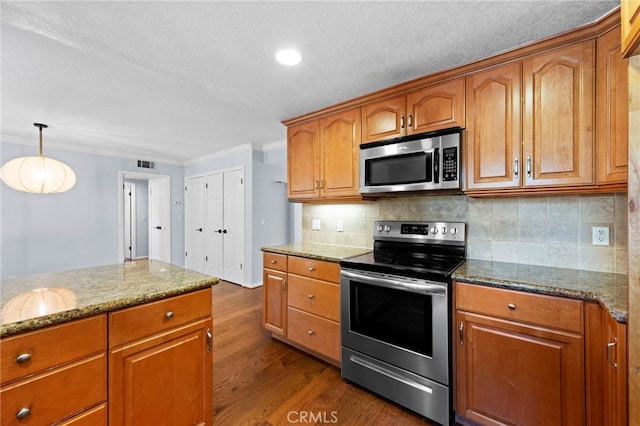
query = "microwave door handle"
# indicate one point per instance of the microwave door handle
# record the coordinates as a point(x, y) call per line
point(432, 288)
point(436, 165)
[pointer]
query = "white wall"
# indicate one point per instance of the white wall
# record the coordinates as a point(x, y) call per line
point(79, 228)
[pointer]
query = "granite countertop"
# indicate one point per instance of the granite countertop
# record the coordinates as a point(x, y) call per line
point(327, 252)
point(610, 290)
point(28, 303)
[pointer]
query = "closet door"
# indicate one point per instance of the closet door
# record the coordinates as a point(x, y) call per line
point(194, 223)
point(215, 225)
point(233, 233)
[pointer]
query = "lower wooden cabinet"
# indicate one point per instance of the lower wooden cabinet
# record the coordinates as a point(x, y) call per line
point(162, 376)
point(302, 303)
point(515, 371)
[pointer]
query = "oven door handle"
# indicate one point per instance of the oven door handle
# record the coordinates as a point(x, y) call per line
point(424, 287)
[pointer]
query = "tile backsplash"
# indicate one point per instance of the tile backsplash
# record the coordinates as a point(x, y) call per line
point(548, 230)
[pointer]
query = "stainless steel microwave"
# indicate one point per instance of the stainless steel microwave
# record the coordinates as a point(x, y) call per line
point(421, 163)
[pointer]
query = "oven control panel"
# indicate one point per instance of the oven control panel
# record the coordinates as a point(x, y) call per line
point(434, 231)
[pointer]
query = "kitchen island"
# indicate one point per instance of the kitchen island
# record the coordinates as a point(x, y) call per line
point(112, 340)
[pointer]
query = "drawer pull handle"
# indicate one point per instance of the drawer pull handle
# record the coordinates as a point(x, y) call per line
point(311, 269)
point(22, 358)
point(310, 332)
point(169, 315)
point(209, 340)
point(23, 413)
point(511, 306)
point(609, 346)
point(311, 296)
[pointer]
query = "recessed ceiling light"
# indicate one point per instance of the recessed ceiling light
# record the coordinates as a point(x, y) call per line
point(288, 57)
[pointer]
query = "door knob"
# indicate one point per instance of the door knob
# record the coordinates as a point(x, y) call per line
point(199, 229)
point(224, 231)
point(158, 227)
point(219, 231)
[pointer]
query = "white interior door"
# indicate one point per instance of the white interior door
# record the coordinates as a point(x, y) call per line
point(129, 220)
point(214, 225)
point(160, 219)
point(194, 223)
point(233, 232)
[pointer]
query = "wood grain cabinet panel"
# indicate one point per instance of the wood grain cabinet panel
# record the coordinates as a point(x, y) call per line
point(302, 161)
point(384, 119)
point(314, 296)
point(274, 316)
point(493, 136)
point(558, 128)
point(630, 19)
point(436, 107)
point(314, 332)
point(612, 109)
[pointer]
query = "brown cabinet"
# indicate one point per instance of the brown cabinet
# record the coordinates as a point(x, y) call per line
point(274, 283)
point(439, 106)
point(302, 303)
point(606, 368)
point(493, 137)
point(323, 157)
point(514, 366)
point(630, 14)
point(558, 131)
point(160, 362)
point(55, 374)
point(612, 110)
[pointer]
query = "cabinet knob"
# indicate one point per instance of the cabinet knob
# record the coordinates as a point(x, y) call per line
point(23, 413)
point(311, 269)
point(273, 262)
point(511, 306)
point(169, 315)
point(310, 332)
point(22, 358)
point(311, 296)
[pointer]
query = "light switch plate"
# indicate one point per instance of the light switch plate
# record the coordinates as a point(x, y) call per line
point(600, 235)
point(340, 225)
point(315, 224)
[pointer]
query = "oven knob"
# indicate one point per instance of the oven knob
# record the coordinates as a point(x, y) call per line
point(454, 231)
point(434, 230)
point(444, 231)
point(387, 228)
point(380, 228)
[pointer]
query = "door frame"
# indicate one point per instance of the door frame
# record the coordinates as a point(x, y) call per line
point(133, 225)
point(122, 174)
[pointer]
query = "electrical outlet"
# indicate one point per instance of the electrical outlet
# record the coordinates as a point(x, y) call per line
point(340, 225)
point(600, 235)
point(315, 224)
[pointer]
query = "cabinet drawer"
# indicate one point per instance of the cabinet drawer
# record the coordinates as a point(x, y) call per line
point(56, 394)
point(94, 417)
point(145, 320)
point(51, 346)
point(274, 261)
point(549, 311)
point(318, 334)
point(327, 271)
point(317, 297)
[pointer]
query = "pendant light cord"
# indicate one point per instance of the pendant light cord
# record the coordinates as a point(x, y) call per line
point(41, 126)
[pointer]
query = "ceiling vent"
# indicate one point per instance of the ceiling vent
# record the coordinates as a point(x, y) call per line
point(146, 164)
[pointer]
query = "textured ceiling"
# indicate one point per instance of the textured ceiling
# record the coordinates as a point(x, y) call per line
point(174, 81)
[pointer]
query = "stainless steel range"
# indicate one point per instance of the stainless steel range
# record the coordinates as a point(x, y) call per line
point(395, 312)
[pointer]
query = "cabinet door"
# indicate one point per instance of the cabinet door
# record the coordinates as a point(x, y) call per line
point(615, 376)
point(302, 161)
point(339, 149)
point(613, 107)
point(493, 133)
point(384, 119)
point(630, 14)
point(166, 379)
point(558, 117)
point(275, 301)
point(511, 373)
point(436, 107)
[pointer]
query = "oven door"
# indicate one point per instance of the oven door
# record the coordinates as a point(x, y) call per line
point(406, 166)
point(400, 321)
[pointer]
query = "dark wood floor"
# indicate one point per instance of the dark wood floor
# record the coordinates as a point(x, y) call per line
point(261, 381)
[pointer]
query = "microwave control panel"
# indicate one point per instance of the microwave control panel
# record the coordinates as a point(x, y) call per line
point(450, 164)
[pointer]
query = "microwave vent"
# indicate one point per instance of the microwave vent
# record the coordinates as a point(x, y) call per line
point(146, 164)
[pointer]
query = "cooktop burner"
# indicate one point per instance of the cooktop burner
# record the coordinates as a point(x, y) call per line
point(431, 250)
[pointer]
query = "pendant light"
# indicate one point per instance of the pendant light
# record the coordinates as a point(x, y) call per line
point(38, 175)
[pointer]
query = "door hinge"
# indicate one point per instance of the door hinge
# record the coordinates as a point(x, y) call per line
point(461, 333)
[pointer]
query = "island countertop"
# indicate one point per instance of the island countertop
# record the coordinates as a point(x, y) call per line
point(610, 290)
point(31, 302)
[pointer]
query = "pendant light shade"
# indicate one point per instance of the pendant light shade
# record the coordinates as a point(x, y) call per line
point(38, 174)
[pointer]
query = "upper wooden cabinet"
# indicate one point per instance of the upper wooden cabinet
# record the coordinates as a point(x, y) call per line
point(612, 110)
point(323, 157)
point(630, 20)
point(558, 133)
point(435, 107)
point(493, 137)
